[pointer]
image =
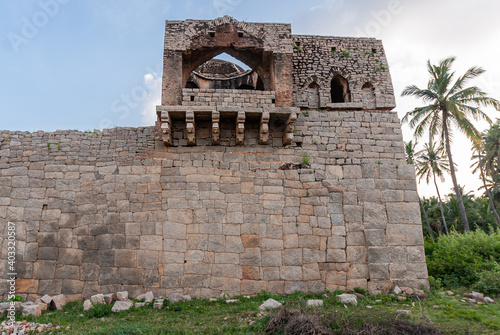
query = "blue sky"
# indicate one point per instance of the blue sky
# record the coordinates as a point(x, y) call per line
point(74, 64)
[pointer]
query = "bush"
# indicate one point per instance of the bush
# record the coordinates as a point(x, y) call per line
point(99, 311)
point(489, 282)
point(459, 259)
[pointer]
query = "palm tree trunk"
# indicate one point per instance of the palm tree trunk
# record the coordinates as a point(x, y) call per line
point(440, 204)
point(452, 171)
point(426, 218)
point(488, 193)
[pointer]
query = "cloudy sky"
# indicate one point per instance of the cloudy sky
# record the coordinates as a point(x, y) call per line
point(74, 64)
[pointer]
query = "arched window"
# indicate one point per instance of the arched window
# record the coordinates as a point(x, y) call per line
point(340, 89)
point(313, 95)
point(224, 72)
point(369, 96)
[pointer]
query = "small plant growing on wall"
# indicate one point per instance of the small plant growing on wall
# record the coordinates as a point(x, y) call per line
point(48, 146)
point(306, 113)
point(305, 159)
point(346, 53)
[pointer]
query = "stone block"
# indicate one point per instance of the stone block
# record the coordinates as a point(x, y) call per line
point(311, 271)
point(295, 286)
point(356, 254)
point(374, 213)
point(250, 272)
point(378, 271)
point(378, 255)
point(271, 258)
point(336, 255)
point(403, 212)
point(291, 273)
point(252, 287)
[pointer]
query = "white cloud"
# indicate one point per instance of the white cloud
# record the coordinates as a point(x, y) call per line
point(151, 100)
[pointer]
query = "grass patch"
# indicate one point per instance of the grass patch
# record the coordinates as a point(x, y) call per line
point(373, 315)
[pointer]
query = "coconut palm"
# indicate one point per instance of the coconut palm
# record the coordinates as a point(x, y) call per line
point(410, 159)
point(491, 147)
point(433, 162)
point(449, 106)
point(478, 165)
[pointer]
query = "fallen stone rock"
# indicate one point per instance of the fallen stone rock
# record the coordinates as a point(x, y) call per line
point(87, 304)
point(97, 298)
point(175, 297)
point(359, 295)
point(122, 296)
point(397, 290)
point(270, 304)
point(489, 300)
point(187, 297)
point(46, 299)
point(121, 306)
point(109, 298)
point(34, 309)
point(419, 293)
point(401, 298)
point(375, 292)
point(403, 312)
point(57, 302)
point(212, 299)
point(158, 304)
point(348, 299)
point(232, 301)
point(409, 291)
point(479, 297)
point(450, 293)
point(139, 304)
point(314, 303)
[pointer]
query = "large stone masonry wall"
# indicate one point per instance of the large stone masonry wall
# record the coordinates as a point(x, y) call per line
point(117, 210)
point(359, 60)
point(227, 98)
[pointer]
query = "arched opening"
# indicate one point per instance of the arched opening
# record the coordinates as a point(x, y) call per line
point(313, 100)
point(369, 96)
point(225, 72)
point(340, 89)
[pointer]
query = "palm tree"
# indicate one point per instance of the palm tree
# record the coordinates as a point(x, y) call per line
point(433, 161)
point(478, 165)
point(492, 152)
point(449, 106)
point(410, 159)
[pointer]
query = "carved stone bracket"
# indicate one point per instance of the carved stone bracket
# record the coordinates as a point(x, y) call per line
point(166, 128)
point(190, 130)
point(240, 128)
point(289, 127)
point(215, 128)
point(264, 128)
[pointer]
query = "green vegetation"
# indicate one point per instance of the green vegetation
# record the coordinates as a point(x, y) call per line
point(305, 159)
point(201, 316)
point(464, 259)
point(305, 113)
point(449, 103)
point(346, 53)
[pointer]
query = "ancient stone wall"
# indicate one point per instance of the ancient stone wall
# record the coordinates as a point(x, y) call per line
point(317, 59)
point(105, 211)
point(225, 98)
point(302, 186)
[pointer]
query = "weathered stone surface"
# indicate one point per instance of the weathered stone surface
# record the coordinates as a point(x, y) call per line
point(270, 304)
point(309, 190)
point(314, 303)
point(121, 306)
point(122, 296)
point(347, 299)
point(87, 304)
point(57, 302)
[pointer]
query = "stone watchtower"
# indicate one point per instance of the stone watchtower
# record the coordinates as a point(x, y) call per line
point(300, 158)
point(288, 175)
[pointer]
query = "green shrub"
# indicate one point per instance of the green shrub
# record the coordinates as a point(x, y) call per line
point(99, 311)
point(489, 282)
point(435, 284)
point(459, 259)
